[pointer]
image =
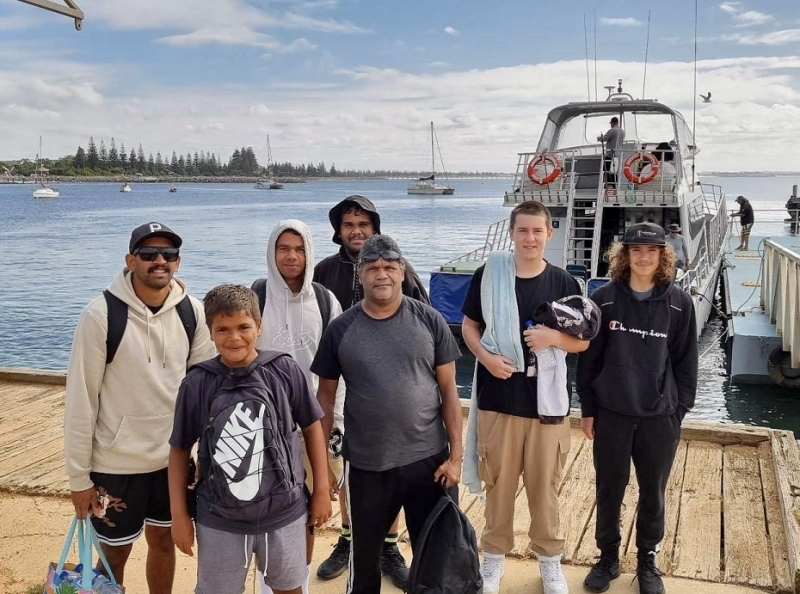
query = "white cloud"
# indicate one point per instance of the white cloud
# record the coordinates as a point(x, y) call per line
point(16, 23)
point(752, 17)
point(773, 38)
point(619, 21)
point(730, 7)
point(450, 30)
point(439, 64)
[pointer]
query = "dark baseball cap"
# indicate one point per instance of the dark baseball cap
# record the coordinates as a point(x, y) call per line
point(645, 234)
point(153, 229)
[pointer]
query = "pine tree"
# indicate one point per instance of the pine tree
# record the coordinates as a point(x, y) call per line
point(80, 158)
point(92, 159)
point(159, 163)
point(123, 156)
point(132, 160)
point(103, 155)
point(151, 165)
point(173, 163)
point(113, 155)
point(182, 166)
point(140, 161)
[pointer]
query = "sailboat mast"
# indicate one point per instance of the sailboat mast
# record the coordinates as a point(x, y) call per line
point(433, 157)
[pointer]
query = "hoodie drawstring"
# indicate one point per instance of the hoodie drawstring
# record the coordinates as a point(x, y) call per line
point(163, 343)
point(147, 323)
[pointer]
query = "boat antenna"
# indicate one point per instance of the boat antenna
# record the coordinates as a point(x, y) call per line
point(594, 16)
point(694, 94)
point(586, 45)
point(646, 51)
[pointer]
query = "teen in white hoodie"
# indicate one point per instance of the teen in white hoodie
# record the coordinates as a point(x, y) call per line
point(292, 321)
point(118, 417)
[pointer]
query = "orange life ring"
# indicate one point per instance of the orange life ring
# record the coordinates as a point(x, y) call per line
point(655, 167)
point(540, 160)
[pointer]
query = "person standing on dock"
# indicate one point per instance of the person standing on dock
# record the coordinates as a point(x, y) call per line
point(636, 383)
point(747, 219)
point(355, 219)
point(402, 414)
point(512, 439)
point(295, 312)
point(678, 244)
point(130, 352)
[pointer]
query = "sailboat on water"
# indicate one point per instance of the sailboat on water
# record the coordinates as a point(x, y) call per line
point(43, 191)
point(428, 185)
point(270, 183)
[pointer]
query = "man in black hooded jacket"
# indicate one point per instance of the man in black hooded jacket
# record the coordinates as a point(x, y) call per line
point(636, 381)
point(354, 220)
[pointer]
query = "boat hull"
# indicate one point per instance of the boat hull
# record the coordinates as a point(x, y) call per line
point(435, 191)
point(45, 193)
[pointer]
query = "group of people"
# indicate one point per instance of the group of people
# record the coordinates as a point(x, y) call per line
point(337, 381)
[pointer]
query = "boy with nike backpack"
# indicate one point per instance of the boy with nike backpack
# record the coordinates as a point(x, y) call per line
point(244, 407)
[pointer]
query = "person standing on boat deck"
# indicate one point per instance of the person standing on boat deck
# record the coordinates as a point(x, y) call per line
point(292, 321)
point(678, 244)
point(402, 413)
point(355, 220)
point(613, 140)
point(512, 440)
point(636, 383)
point(118, 415)
point(747, 220)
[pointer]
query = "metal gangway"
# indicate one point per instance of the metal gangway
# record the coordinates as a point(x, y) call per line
point(780, 295)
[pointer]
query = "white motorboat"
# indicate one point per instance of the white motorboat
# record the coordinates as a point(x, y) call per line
point(594, 196)
point(126, 187)
point(427, 184)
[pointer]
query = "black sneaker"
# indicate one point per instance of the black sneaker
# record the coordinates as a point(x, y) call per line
point(338, 561)
point(394, 565)
point(648, 574)
point(601, 574)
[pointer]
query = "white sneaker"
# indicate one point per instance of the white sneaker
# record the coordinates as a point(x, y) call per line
point(553, 581)
point(492, 570)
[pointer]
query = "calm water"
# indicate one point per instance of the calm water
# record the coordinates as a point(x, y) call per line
point(56, 255)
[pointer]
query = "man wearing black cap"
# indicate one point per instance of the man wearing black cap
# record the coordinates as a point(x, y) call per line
point(636, 381)
point(747, 219)
point(354, 220)
point(613, 140)
point(131, 349)
point(678, 244)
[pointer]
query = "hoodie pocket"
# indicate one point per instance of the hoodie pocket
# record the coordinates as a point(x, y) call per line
point(628, 390)
point(143, 437)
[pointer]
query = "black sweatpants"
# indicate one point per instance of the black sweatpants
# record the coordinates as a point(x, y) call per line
point(375, 500)
point(651, 442)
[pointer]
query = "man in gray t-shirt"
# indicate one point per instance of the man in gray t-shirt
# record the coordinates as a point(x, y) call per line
point(613, 142)
point(402, 414)
point(678, 243)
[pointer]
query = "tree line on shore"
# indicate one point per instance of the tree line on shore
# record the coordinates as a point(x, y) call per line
point(112, 161)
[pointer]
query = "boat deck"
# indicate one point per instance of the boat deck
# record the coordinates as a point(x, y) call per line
point(732, 511)
point(754, 336)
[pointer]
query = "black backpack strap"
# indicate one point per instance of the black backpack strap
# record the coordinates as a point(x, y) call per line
point(117, 320)
point(188, 319)
point(260, 289)
point(323, 302)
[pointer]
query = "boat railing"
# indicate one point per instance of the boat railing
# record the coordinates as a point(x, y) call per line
point(497, 238)
point(780, 295)
point(556, 192)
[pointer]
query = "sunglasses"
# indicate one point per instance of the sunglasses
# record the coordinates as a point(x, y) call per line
point(388, 255)
point(150, 253)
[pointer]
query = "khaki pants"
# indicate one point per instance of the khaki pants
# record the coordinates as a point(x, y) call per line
point(508, 447)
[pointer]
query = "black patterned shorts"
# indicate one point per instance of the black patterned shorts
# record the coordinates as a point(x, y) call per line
point(130, 502)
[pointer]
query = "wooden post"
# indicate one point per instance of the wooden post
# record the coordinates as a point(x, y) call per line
point(786, 456)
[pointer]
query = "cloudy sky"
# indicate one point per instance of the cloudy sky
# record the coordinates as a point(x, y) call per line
point(356, 82)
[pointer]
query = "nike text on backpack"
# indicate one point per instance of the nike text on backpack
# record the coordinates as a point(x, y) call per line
point(118, 320)
point(320, 292)
point(446, 559)
point(245, 452)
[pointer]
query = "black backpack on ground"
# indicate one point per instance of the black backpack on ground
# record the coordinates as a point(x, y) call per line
point(245, 451)
point(446, 557)
point(118, 320)
point(320, 292)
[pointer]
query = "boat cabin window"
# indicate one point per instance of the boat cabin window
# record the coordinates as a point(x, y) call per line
point(648, 130)
point(582, 130)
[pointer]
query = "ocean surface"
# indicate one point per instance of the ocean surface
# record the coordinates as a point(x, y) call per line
point(57, 255)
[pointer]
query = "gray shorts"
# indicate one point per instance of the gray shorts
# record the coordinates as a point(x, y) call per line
point(223, 558)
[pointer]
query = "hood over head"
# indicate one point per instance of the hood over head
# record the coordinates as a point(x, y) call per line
point(275, 282)
point(365, 204)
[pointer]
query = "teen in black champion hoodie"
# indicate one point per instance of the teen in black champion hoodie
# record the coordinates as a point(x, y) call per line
point(636, 381)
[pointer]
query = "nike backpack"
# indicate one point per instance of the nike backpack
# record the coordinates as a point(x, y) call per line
point(245, 450)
